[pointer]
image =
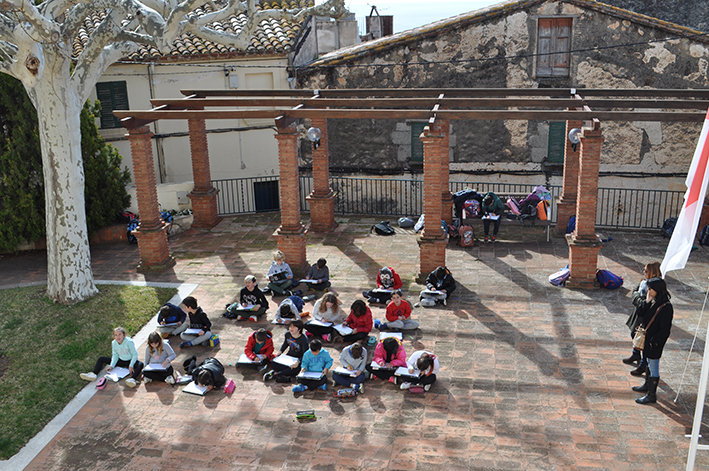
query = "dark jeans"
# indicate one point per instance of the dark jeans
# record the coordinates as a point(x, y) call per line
point(381, 374)
point(348, 380)
point(137, 367)
point(313, 383)
point(319, 286)
point(283, 370)
point(159, 375)
point(382, 296)
point(318, 329)
point(352, 338)
point(430, 379)
point(486, 226)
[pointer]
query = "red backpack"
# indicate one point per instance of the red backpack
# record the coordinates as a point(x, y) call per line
point(467, 238)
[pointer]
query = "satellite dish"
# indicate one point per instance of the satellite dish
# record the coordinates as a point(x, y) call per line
point(314, 134)
point(573, 135)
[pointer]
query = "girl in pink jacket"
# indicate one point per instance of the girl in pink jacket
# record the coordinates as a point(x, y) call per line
point(388, 356)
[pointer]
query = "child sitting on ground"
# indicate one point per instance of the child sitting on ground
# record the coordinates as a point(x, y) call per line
point(427, 366)
point(398, 315)
point(123, 354)
point(279, 275)
point(321, 273)
point(315, 360)
point(159, 351)
point(171, 314)
point(209, 373)
point(359, 320)
point(389, 353)
point(353, 358)
point(250, 295)
point(294, 344)
point(260, 346)
point(439, 286)
point(197, 320)
point(326, 309)
point(289, 309)
point(387, 281)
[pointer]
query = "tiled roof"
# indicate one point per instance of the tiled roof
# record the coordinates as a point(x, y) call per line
point(273, 36)
point(348, 54)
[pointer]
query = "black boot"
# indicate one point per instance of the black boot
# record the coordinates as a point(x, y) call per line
point(634, 358)
point(644, 386)
point(651, 396)
point(640, 369)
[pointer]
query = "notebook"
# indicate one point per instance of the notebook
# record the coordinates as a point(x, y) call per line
point(314, 375)
point(320, 323)
point(383, 290)
point(117, 374)
point(244, 360)
point(344, 371)
point(404, 372)
point(375, 366)
point(193, 331)
point(247, 308)
point(154, 367)
point(492, 217)
point(314, 282)
point(396, 335)
point(193, 388)
point(343, 329)
point(286, 360)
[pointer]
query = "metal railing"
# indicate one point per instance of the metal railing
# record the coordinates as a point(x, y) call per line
point(617, 207)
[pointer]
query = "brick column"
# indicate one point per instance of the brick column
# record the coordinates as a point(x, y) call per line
point(446, 195)
point(290, 236)
point(566, 204)
point(322, 198)
point(203, 195)
point(152, 232)
point(432, 242)
point(583, 243)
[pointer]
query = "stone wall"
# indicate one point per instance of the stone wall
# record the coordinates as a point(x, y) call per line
point(495, 51)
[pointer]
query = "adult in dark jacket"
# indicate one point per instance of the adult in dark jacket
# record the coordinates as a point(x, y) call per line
point(492, 206)
point(439, 286)
point(656, 305)
point(209, 373)
point(651, 272)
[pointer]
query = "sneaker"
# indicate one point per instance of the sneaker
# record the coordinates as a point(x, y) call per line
point(383, 326)
point(131, 383)
point(427, 387)
point(147, 380)
point(266, 290)
point(406, 385)
point(170, 380)
point(165, 335)
point(392, 379)
point(493, 238)
point(326, 337)
point(365, 294)
point(377, 323)
point(336, 338)
point(253, 319)
point(240, 318)
point(374, 300)
point(185, 344)
point(307, 299)
point(205, 343)
point(269, 375)
point(227, 306)
point(88, 376)
point(297, 292)
point(323, 387)
point(298, 388)
point(444, 301)
point(486, 240)
point(359, 388)
point(417, 305)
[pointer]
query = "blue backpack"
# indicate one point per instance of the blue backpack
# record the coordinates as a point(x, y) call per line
point(608, 279)
point(668, 227)
point(571, 226)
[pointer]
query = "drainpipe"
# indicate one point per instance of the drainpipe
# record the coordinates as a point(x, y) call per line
point(158, 140)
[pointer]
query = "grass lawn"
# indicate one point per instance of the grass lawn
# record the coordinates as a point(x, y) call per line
point(44, 346)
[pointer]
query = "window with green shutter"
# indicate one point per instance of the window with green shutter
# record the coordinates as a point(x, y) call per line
point(557, 142)
point(113, 96)
point(416, 144)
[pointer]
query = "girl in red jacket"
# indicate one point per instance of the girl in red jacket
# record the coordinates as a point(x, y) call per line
point(260, 346)
point(359, 320)
point(387, 281)
point(389, 354)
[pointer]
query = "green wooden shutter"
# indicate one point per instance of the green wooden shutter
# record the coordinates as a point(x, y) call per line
point(113, 96)
point(416, 144)
point(557, 142)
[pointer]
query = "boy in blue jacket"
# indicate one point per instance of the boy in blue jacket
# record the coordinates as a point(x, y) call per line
point(315, 360)
point(171, 314)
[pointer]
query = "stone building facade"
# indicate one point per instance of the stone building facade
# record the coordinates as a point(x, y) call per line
point(592, 45)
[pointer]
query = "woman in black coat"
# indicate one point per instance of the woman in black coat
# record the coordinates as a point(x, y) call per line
point(656, 305)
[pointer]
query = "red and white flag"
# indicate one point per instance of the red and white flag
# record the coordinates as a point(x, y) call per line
point(685, 230)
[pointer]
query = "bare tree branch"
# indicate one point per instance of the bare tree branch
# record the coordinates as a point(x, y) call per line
point(84, 78)
point(47, 29)
point(54, 8)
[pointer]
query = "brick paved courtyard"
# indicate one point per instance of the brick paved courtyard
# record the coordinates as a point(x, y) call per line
point(531, 377)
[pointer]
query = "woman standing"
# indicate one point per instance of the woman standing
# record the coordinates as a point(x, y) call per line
point(650, 272)
point(656, 313)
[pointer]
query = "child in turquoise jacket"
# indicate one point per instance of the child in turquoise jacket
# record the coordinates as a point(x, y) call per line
point(315, 360)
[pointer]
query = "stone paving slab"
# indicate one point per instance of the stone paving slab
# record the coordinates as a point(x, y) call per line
point(531, 377)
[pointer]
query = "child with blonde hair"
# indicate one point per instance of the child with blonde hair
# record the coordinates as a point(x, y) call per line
point(280, 275)
point(159, 351)
point(123, 354)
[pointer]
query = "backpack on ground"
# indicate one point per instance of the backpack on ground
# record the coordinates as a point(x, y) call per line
point(668, 227)
point(406, 223)
point(383, 228)
point(704, 236)
point(528, 212)
point(471, 209)
point(542, 208)
point(608, 279)
point(466, 236)
point(559, 278)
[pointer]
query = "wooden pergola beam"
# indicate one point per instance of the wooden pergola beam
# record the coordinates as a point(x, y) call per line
point(473, 115)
